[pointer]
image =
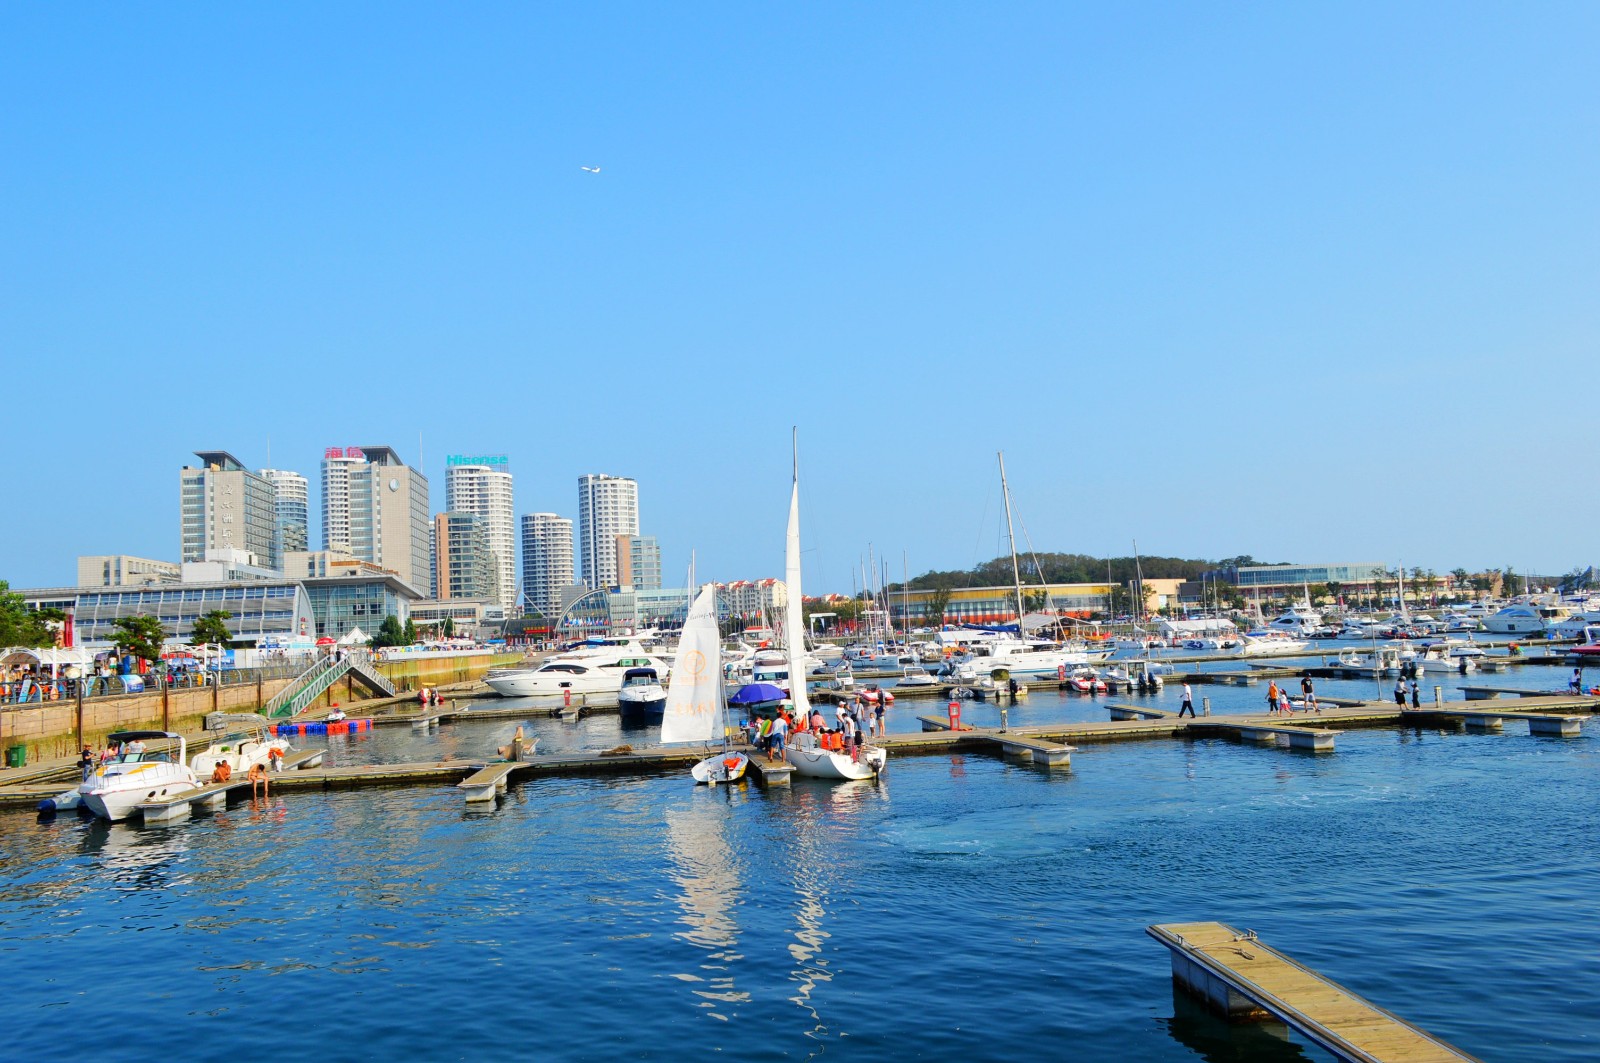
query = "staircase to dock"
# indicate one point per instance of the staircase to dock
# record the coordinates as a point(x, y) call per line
point(315, 681)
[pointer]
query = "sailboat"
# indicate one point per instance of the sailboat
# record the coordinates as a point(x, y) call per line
point(694, 710)
point(805, 754)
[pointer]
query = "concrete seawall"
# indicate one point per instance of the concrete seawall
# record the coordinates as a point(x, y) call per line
point(53, 729)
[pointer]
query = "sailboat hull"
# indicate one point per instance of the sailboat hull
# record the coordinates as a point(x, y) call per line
point(723, 767)
point(817, 763)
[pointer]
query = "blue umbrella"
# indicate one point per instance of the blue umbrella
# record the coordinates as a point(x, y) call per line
point(753, 693)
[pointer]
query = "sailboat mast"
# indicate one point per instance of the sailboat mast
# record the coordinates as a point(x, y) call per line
point(1011, 537)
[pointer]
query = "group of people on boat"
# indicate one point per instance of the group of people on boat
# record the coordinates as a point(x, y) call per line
point(854, 721)
point(429, 696)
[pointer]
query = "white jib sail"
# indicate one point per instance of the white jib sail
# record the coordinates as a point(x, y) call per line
point(794, 614)
point(692, 711)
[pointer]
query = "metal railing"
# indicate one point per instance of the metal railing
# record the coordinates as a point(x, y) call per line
point(315, 681)
point(32, 690)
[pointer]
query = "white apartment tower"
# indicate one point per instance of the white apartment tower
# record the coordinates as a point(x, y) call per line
point(375, 508)
point(482, 486)
point(225, 506)
point(546, 561)
point(291, 509)
point(608, 506)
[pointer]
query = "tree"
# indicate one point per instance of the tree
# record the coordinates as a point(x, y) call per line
point(1318, 591)
point(937, 604)
point(390, 633)
point(20, 626)
point(410, 632)
point(1033, 601)
point(448, 628)
point(1334, 589)
point(211, 627)
point(140, 635)
point(1460, 575)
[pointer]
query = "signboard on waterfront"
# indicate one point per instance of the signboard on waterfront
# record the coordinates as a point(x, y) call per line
point(495, 461)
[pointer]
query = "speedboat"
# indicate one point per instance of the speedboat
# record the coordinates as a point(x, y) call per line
point(593, 674)
point(808, 757)
point(642, 696)
point(1522, 620)
point(1086, 681)
point(138, 775)
point(1387, 660)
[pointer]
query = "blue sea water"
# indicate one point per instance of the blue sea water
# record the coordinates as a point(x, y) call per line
point(961, 908)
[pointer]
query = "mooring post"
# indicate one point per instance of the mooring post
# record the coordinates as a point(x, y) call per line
point(1002, 718)
point(1438, 697)
point(1205, 706)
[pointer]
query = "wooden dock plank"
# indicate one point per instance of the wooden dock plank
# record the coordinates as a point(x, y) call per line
point(1237, 973)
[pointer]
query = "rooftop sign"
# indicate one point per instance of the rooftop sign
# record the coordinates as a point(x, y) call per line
point(493, 460)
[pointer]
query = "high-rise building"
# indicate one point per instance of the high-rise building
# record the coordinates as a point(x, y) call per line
point(375, 508)
point(546, 561)
point(291, 510)
point(638, 562)
point(225, 506)
point(482, 486)
point(608, 506)
point(468, 566)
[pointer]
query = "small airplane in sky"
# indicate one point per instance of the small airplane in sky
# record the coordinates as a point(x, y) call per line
point(590, 169)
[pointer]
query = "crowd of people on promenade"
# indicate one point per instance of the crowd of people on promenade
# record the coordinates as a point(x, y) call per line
point(854, 721)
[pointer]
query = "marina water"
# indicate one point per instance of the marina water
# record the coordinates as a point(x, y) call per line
point(960, 908)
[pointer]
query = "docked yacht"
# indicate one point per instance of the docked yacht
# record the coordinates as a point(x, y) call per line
point(1267, 644)
point(138, 775)
point(596, 673)
point(642, 696)
point(1386, 660)
point(1524, 619)
point(1449, 655)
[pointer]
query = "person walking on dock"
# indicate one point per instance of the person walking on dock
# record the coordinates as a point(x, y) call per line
point(1400, 692)
point(1416, 693)
point(1272, 696)
point(1188, 702)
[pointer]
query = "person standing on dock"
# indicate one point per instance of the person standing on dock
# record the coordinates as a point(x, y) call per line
point(1310, 693)
point(1400, 692)
point(1188, 702)
point(780, 732)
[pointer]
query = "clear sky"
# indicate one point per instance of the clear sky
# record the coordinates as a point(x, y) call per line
point(1313, 282)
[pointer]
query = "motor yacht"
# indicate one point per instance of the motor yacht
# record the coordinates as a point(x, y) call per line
point(594, 674)
point(1524, 619)
point(1449, 655)
point(138, 774)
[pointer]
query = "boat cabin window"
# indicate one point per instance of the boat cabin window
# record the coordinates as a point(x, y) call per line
point(569, 668)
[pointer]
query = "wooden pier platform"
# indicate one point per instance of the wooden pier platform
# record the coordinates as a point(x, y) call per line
point(1244, 979)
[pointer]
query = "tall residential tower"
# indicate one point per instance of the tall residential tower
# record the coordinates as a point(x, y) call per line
point(608, 506)
point(482, 486)
point(291, 509)
point(546, 561)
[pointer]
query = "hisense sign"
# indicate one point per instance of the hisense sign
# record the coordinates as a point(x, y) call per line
point(492, 460)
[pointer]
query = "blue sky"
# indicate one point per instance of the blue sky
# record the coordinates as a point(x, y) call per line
point(1309, 282)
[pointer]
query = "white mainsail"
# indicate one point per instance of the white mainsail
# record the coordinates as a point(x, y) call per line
point(693, 710)
point(794, 615)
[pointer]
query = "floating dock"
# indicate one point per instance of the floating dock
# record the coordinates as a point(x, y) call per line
point(1243, 979)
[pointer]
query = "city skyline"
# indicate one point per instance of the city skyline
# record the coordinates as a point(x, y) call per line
point(1221, 281)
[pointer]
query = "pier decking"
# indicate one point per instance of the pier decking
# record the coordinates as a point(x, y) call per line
point(1244, 979)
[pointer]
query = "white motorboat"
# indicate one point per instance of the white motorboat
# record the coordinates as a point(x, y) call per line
point(1269, 645)
point(246, 743)
point(1523, 620)
point(1387, 660)
point(1449, 655)
point(916, 676)
point(593, 674)
point(694, 710)
point(806, 752)
point(642, 696)
point(138, 775)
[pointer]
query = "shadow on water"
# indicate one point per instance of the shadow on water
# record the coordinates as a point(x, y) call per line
point(1210, 1038)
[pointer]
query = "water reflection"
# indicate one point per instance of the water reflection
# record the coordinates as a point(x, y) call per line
point(1212, 1039)
point(706, 871)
